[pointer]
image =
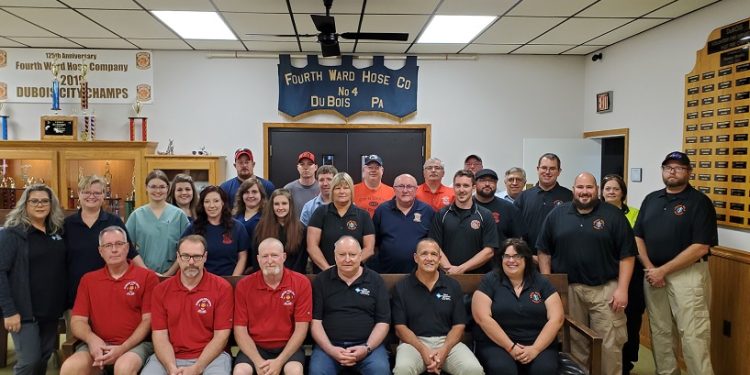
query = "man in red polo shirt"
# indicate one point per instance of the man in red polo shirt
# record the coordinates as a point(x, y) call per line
point(272, 314)
point(191, 317)
point(112, 312)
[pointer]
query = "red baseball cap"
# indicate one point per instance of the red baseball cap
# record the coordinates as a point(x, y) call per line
point(243, 151)
point(306, 155)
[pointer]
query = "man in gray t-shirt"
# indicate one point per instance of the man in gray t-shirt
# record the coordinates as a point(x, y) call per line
point(306, 187)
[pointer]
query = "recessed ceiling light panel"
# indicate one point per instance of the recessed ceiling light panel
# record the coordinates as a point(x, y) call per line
point(454, 29)
point(196, 25)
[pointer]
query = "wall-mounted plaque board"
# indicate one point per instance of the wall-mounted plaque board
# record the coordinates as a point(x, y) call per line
point(59, 128)
point(716, 133)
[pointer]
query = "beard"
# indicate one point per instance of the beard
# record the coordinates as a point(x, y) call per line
point(487, 195)
point(270, 271)
point(675, 183)
point(585, 206)
point(191, 271)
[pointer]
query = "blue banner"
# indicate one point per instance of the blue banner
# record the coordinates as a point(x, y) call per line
point(346, 89)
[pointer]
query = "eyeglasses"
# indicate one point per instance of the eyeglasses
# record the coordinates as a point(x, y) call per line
point(405, 187)
point(666, 168)
point(515, 257)
point(38, 202)
point(548, 169)
point(157, 187)
point(433, 168)
point(110, 246)
point(92, 193)
point(195, 258)
point(516, 179)
point(475, 164)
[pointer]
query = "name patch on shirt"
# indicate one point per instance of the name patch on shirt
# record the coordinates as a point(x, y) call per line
point(203, 304)
point(131, 287)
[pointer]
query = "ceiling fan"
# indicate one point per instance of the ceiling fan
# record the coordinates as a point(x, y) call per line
point(329, 38)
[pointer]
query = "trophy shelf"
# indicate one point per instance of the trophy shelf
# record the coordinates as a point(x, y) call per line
point(205, 170)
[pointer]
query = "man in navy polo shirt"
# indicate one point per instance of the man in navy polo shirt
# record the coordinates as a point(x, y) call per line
point(593, 243)
point(244, 164)
point(399, 224)
point(430, 317)
point(504, 213)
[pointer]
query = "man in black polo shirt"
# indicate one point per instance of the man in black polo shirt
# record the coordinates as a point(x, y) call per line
point(593, 243)
point(505, 214)
point(674, 231)
point(351, 315)
point(536, 202)
point(429, 316)
point(464, 230)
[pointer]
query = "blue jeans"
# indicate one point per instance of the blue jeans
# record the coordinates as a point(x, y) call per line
point(374, 364)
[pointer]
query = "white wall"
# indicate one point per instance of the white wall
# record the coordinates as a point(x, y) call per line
point(647, 75)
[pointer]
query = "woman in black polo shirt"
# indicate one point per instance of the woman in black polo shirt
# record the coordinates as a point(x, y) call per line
point(529, 309)
point(32, 277)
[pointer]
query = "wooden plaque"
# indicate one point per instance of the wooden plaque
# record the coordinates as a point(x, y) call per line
point(59, 128)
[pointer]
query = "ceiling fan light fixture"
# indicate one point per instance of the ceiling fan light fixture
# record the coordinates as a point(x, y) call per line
point(195, 25)
point(454, 29)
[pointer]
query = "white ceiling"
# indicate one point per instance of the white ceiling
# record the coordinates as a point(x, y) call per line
point(548, 27)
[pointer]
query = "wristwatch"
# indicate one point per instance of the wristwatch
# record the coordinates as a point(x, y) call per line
point(369, 349)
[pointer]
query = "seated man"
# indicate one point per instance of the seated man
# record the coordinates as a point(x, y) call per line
point(112, 312)
point(272, 313)
point(351, 314)
point(429, 316)
point(191, 316)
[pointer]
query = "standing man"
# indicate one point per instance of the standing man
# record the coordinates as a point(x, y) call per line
point(674, 231)
point(324, 175)
point(593, 243)
point(273, 309)
point(306, 187)
point(191, 317)
point(244, 164)
point(473, 163)
point(515, 181)
point(351, 315)
point(432, 191)
point(538, 201)
point(505, 214)
point(464, 230)
point(112, 312)
point(400, 224)
point(430, 317)
point(371, 192)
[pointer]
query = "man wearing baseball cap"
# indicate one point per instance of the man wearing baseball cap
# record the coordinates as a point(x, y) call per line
point(505, 214)
point(306, 187)
point(371, 192)
point(244, 164)
point(674, 231)
point(473, 163)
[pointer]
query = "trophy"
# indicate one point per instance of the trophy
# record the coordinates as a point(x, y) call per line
point(107, 180)
point(137, 107)
point(55, 86)
point(4, 119)
point(89, 120)
point(27, 180)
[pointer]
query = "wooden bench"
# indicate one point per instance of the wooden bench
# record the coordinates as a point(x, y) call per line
point(469, 284)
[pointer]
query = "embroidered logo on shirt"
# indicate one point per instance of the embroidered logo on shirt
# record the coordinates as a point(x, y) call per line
point(203, 304)
point(288, 297)
point(535, 297)
point(443, 296)
point(56, 237)
point(446, 201)
point(475, 224)
point(130, 288)
point(226, 239)
point(351, 225)
point(363, 291)
point(680, 209)
point(598, 224)
point(417, 217)
point(496, 216)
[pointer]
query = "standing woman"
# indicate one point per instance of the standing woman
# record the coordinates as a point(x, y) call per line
point(227, 241)
point(183, 195)
point(339, 218)
point(614, 192)
point(280, 220)
point(249, 203)
point(32, 277)
point(156, 226)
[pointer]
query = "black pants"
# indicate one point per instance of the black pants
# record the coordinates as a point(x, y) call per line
point(496, 361)
point(634, 312)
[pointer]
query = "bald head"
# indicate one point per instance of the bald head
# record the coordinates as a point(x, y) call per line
point(270, 244)
point(585, 192)
point(585, 177)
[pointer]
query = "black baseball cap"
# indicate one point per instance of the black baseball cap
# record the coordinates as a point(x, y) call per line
point(679, 157)
point(486, 173)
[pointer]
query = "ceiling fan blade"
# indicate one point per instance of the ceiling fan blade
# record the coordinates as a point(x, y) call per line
point(285, 35)
point(330, 49)
point(377, 36)
point(324, 24)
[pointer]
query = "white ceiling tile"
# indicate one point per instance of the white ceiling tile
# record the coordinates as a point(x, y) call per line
point(131, 23)
point(475, 7)
point(251, 23)
point(202, 44)
point(541, 49)
point(401, 7)
point(436, 48)
point(583, 50)
point(47, 42)
point(65, 22)
point(194, 5)
point(316, 6)
point(549, 8)
point(628, 30)
point(490, 48)
point(394, 24)
point(517, 30)
point(104, 43)
point(622, 8)
point(253, 6)
point(343, 23)
point(160, 44)
point(11, 25)
point(379, 48)
point(272, 46)
point(100, 4)
point(579, 30)
point(681, 7)
point(32, 3)
point(4, 42)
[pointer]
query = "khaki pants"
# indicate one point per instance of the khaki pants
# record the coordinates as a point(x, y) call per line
point(590, 305)
point(685, 298)
point(460, 361)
